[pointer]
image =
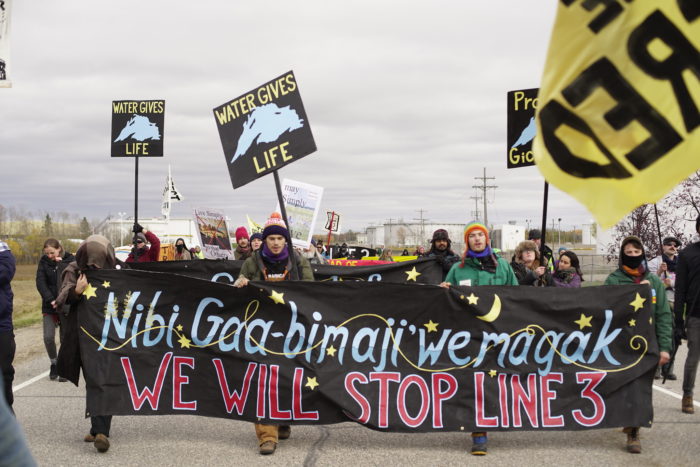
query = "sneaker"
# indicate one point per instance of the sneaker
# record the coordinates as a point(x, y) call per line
point(284, 432)
point(687, 405)
point(268, 447)
point(89, 438)
point(53, 372)
point(101, 442)
point(479, 441)
point(634, 446)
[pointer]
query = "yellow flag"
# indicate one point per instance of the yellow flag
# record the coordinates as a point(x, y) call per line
point(618, 104)
point(253, 226)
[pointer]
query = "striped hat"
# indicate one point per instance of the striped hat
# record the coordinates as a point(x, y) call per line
point(472, 226)
point(275, 226)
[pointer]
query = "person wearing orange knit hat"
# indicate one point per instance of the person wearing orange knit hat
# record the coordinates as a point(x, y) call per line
point(273, 263)
point(479, 266)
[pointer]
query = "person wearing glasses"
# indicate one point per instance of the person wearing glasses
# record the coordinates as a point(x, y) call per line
point(664, 266)
point(141, 252)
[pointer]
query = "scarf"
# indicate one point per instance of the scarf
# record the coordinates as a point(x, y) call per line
point(671, 263)
point(246, 250)
point(270, 256)
point(482, 254)
point(565, 275)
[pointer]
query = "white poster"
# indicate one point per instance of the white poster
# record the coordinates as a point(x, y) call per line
point(213, 233)
point(5, 6)
point(302, 202)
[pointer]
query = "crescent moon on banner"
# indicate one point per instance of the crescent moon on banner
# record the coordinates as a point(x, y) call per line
point(494, 312)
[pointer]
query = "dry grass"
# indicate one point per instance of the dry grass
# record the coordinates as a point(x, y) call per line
point(27, 302)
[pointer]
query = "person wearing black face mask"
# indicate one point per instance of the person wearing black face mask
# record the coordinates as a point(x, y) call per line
point(182, 253)
point(633, 269)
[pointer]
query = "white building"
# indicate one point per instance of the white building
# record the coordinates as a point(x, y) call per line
point(118, 231)
point(412, 234)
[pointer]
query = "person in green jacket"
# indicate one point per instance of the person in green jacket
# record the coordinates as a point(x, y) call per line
point(274, 262)
point(479, 266)
point(633, 269)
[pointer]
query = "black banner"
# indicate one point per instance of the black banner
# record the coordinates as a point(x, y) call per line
point(137, 128)
point(422, 271)
point(393, 357)
point(354, 252)
point(522, 105)
point(264, 130)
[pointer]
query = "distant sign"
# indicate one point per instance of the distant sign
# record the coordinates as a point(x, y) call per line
point(333, 221)
point(521, 127)
point(137, 128)
point(213, 234)
point(264, 130)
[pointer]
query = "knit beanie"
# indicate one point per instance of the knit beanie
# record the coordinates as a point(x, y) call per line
point(257, 235)
point(275, 226)
point(472, 226)
point(241, 232)
point(140, 236)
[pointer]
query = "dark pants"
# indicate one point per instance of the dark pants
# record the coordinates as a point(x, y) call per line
point(100, 424)
point(7, 355)
point(692, 329)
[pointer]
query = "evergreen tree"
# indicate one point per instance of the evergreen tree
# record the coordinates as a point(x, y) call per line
point(48, 226)
point(85, 229)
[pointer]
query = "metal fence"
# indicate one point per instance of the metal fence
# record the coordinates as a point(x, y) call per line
point(595, 268)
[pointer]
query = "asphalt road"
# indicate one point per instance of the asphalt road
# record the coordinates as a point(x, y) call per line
point(51, 414)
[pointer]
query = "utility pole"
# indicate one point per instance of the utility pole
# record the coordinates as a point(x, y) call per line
point(475, 213)
point(386, 244)
point(483, 187)
point(422, 225)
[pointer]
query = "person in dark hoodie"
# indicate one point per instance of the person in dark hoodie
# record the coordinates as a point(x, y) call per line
point(96, 252)
point(7, 335)
point(273, 262)
point(633, 269)
point(441, 250)
point(48, 274)
point(141, 250)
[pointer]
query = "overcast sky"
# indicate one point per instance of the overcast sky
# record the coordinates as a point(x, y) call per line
point(406, 101)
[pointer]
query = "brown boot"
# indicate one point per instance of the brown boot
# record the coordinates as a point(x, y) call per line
point(267, 448)
point(101, 443)
point(634, 446)
point(687, 405)
point(284, 432)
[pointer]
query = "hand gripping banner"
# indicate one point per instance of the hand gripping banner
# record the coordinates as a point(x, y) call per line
point(618, 104)
point(392, 357)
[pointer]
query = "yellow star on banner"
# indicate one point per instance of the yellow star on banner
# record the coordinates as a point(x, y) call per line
point(90, 292)
point(412, 274)
point(106, 284)
point(584, 321)
point(277, 297)
point(184, 342)
point(473, 299)
point(632, 322)
point(311, 383)
point(179, 327)
point(492, 373)
point(650, 320)
point(638, 302)
point(331, 351)
point(430, 326)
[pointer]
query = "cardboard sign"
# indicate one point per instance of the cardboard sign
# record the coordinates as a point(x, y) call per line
point(137, 128)
point(213, 234)
point(264, 129)
point(302, 202)
point(521, 127)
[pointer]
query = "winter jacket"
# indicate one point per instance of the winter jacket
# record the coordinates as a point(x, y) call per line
point(473, 274)
point(48, 275)
point(253, 268)
point(148, 253)
point(528, 277)
point(7, 272)
point(559, 279)
point(445, 259)
point(662, 311)
point(687, 290)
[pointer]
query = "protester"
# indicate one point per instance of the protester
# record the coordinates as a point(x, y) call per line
point(7, 336)
point(526, 265)
point(322, 251)
point(568, 273)
point(404, 252)
point(687, 315)
point(47, 282)
point(243, 250)
point(274, 263)
point(14, 450)
point(633, 269)
point(387, 255)
point(198, 253)
point(255, 241)
point(96, 252)
point(181, 251)
point(441, 250)
point(420, 251)
point(141, 249)
point(313, 255)
point(536, 236)
point(343, 252)
point(479, 266)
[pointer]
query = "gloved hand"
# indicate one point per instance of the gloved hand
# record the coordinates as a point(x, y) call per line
point(679, 333)
point(137, 228)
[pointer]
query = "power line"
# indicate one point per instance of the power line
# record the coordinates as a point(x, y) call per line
point(483, 187)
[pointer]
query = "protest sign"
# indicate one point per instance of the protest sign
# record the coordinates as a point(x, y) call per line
point(264, 129)
point(618, 103)
point(302, 202)
point(521, 127)
point(389, 356)
point(5, 8)
point(213, 233)
point(137, 128)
